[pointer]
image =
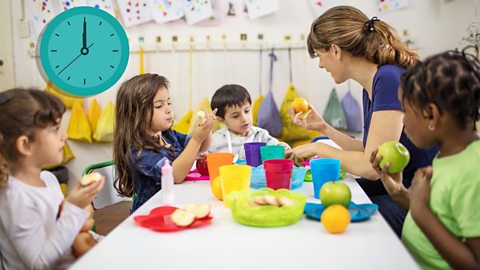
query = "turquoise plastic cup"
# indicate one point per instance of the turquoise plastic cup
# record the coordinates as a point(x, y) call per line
point(272, 152)
point(323, 170)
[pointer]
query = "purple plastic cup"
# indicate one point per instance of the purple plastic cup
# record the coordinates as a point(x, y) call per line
point(252, 153)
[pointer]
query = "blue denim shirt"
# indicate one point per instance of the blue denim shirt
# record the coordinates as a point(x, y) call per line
point(147, 168)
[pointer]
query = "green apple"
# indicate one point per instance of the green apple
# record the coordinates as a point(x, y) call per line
point(335, 192)
point(394, 153)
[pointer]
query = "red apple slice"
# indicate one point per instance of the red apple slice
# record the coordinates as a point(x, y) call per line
point(198, 210)
point(90, 178)
point(182, 218)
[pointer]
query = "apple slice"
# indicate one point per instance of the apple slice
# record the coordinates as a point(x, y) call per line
point(198, 210)
point(182, 218)
point(90, 178)
point(201, 118)
point(284, 201)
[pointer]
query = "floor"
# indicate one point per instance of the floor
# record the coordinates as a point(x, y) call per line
point(107, 218)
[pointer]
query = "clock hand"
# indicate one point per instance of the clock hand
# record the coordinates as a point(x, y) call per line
point(84, 49)
point(71, 62)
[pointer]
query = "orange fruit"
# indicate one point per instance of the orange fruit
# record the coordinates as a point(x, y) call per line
point(300, 105)
point(335, 218)
point(217, 188)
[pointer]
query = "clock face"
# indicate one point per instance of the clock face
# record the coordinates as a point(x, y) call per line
point(84, 51)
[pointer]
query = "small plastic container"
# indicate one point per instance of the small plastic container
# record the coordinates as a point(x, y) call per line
point(168, 194)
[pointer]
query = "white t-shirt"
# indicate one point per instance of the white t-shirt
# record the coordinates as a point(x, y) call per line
point(31, 234)
point(256, 134)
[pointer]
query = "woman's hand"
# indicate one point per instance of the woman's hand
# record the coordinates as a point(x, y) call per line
point(311, 120)
point(83, 196)
point(420, 189)
point(203, 128)
point(392, 182)
point(301, 153)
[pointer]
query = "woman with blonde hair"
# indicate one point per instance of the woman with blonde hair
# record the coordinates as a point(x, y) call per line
point(349, 45)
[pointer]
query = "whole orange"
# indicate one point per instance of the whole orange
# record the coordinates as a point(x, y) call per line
point(217, 188)
point(335, 218)
point(300, 105)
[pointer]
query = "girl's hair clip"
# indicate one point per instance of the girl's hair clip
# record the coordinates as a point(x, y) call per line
point(369, 23)
point(4, 98)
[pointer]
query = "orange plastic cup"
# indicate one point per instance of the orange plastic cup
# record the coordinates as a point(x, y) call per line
point(234, 177)
point(215, 161)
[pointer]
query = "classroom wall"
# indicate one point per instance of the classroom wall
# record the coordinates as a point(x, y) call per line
point(433, 26)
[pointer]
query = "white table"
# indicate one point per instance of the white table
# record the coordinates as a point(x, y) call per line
point(226, 245)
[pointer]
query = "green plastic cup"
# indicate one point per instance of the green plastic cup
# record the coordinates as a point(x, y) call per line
point(272, 152)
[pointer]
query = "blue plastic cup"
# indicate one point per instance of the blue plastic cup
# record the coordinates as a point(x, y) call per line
point(272, 152)
point(323, 170)
point(252, 153)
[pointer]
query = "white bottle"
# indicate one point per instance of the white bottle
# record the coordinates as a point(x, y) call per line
point(168, 195)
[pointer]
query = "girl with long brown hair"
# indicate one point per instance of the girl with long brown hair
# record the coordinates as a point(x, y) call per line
point(144, 138)
point(349, 45)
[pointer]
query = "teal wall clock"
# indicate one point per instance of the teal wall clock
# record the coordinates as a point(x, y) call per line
point(84, 51)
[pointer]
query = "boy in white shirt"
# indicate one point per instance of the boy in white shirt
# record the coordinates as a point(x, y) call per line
point(234, 109)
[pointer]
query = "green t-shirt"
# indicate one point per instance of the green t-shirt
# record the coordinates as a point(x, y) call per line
point(454, 200)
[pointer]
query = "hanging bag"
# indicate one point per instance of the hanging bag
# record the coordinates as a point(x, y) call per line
point(106, 124)
point(79, 128)
point(334, 114)
point(94, 114)
point(268, 114)
point(353, 114)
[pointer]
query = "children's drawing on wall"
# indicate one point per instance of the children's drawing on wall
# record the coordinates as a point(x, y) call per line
point(197, 10)
point(320, 6)
point(41, 12)
point(220, 10)
point(105, 5)
point(134, 12)
point(385, 6)
point(166, 10)
point(68, 4)
point(259, 8)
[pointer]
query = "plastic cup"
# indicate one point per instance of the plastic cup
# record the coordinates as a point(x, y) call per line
point(323, 170)
point(272, 152)
point(234, 177)
point(278, 173)
point(252, 153)
point(215, 161)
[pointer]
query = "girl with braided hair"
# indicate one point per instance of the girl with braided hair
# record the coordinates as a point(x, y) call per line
point(441, 102)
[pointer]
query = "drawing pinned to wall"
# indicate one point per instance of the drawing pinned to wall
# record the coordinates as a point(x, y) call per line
point(134, 12)
point(197, 10)
point(236, 8)
point(68, 4)
point(166, 10)
point(105, 5)
point(385, 6)
point(320, 6)
point(259, 8)
point(220, 10)
point(41, 12)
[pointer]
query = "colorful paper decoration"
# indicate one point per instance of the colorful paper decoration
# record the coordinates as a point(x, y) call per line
point(41, 12)
point(105, 5)
point(320, 6)
point(166, 10)
point(385, 6)
point(197, 10)
point(259, 8)
point(134, 12)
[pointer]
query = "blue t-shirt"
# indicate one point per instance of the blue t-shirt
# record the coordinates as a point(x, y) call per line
point(147, 168)
point(385, 97)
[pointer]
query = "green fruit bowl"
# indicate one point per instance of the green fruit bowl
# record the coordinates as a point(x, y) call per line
point(246, 212)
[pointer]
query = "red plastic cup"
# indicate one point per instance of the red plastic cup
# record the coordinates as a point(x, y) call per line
point(278, 173)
